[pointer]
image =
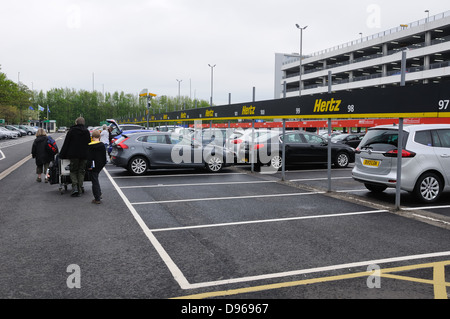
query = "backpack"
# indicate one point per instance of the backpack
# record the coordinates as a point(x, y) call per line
point(52, 148)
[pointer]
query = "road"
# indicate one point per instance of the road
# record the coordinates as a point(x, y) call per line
point(235, 234)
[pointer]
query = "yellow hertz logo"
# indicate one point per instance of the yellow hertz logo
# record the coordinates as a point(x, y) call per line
point(248, 110)
point(327, 106)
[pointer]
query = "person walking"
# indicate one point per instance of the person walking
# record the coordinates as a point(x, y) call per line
point(96, 162)
point(104, 137)
point(41, 155)
point(75, 148)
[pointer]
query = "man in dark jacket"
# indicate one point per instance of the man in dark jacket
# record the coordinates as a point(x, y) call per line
point(75, 148)
point(96, 162)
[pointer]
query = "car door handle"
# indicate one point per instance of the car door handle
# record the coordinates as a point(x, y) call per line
point(445, 155)
point(149, 147)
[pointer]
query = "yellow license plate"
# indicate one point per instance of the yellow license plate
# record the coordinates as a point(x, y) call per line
point(373, 163)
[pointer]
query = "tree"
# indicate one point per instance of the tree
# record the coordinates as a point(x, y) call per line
point(14, 100)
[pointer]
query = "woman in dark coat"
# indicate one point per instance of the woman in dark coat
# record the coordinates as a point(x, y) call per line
point(40, 153)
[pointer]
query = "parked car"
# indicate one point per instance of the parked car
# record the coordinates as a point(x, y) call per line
point(139, 152)
point(425, 160)
point(28, 129)
point(9, 133)
point(216, 136)
point(62, 129)
point(13, 128)
point(120, 128)
point(333, 134)
point(3, 135)
point(238, 140)
point(351, 139)
point(301, 148)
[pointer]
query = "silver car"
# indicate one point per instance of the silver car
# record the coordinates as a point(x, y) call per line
point(139, 152)
point(425, 160)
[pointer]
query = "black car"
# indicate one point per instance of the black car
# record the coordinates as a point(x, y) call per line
point(301, 148)
point(351, 139)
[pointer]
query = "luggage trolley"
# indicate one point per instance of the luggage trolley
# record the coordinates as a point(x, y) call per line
point(64, 174)
point(59, 173)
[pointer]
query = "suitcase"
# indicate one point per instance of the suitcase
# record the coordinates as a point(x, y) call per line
point(53, 173)
point(61, 168)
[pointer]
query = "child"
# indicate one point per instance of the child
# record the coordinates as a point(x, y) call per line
point(96, 162)
point(40, 153)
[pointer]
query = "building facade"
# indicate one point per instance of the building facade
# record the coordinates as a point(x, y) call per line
point(373, 61)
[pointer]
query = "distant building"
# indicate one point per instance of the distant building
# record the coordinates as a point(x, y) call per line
point(373, 61)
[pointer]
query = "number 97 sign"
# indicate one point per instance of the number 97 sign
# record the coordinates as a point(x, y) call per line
point(443, 105)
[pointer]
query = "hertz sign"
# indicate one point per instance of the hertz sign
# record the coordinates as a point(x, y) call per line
point(416, 101)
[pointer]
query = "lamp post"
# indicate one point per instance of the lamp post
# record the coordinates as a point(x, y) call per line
point(301, 52)
point(179, 81)
point(212, 78)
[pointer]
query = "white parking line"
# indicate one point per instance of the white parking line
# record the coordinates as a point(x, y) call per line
point(2, 156)
point(177, 175)
point(173, 268)
point(317, 179)
point(268, 220)
point(224, 198)
point(14, 167)
point(318, 269)
point(197, 184)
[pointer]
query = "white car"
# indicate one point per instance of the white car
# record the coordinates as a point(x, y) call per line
point(9, 133)
point(425, 160)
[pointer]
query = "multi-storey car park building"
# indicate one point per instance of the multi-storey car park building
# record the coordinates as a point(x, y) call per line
point(373, 61)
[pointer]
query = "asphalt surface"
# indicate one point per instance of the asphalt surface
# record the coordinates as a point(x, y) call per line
point(235, 234)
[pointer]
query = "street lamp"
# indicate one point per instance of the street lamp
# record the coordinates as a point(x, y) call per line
point(179, 81)
point(428, 15)
point(212, 67)
point(301, 52)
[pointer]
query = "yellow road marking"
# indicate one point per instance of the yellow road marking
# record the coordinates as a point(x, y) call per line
point(440, 290)
point(439, 283)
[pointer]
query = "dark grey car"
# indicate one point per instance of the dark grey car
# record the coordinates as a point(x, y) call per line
point(139, 152)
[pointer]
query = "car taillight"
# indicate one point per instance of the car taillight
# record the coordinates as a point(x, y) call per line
point(258, 146)
point(236, 141)
point(394, 153)
point(122, 144)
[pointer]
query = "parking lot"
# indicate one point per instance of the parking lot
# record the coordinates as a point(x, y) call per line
point(191, 234)
point(239, 227)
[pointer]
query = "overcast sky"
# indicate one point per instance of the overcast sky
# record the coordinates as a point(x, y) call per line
point(136, 44)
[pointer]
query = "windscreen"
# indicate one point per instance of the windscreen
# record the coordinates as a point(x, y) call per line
point(381, 140)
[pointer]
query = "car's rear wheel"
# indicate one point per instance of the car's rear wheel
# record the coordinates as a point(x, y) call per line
point(138, 165)
point(214, 164)
point(428, 187)
point(276, 162)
